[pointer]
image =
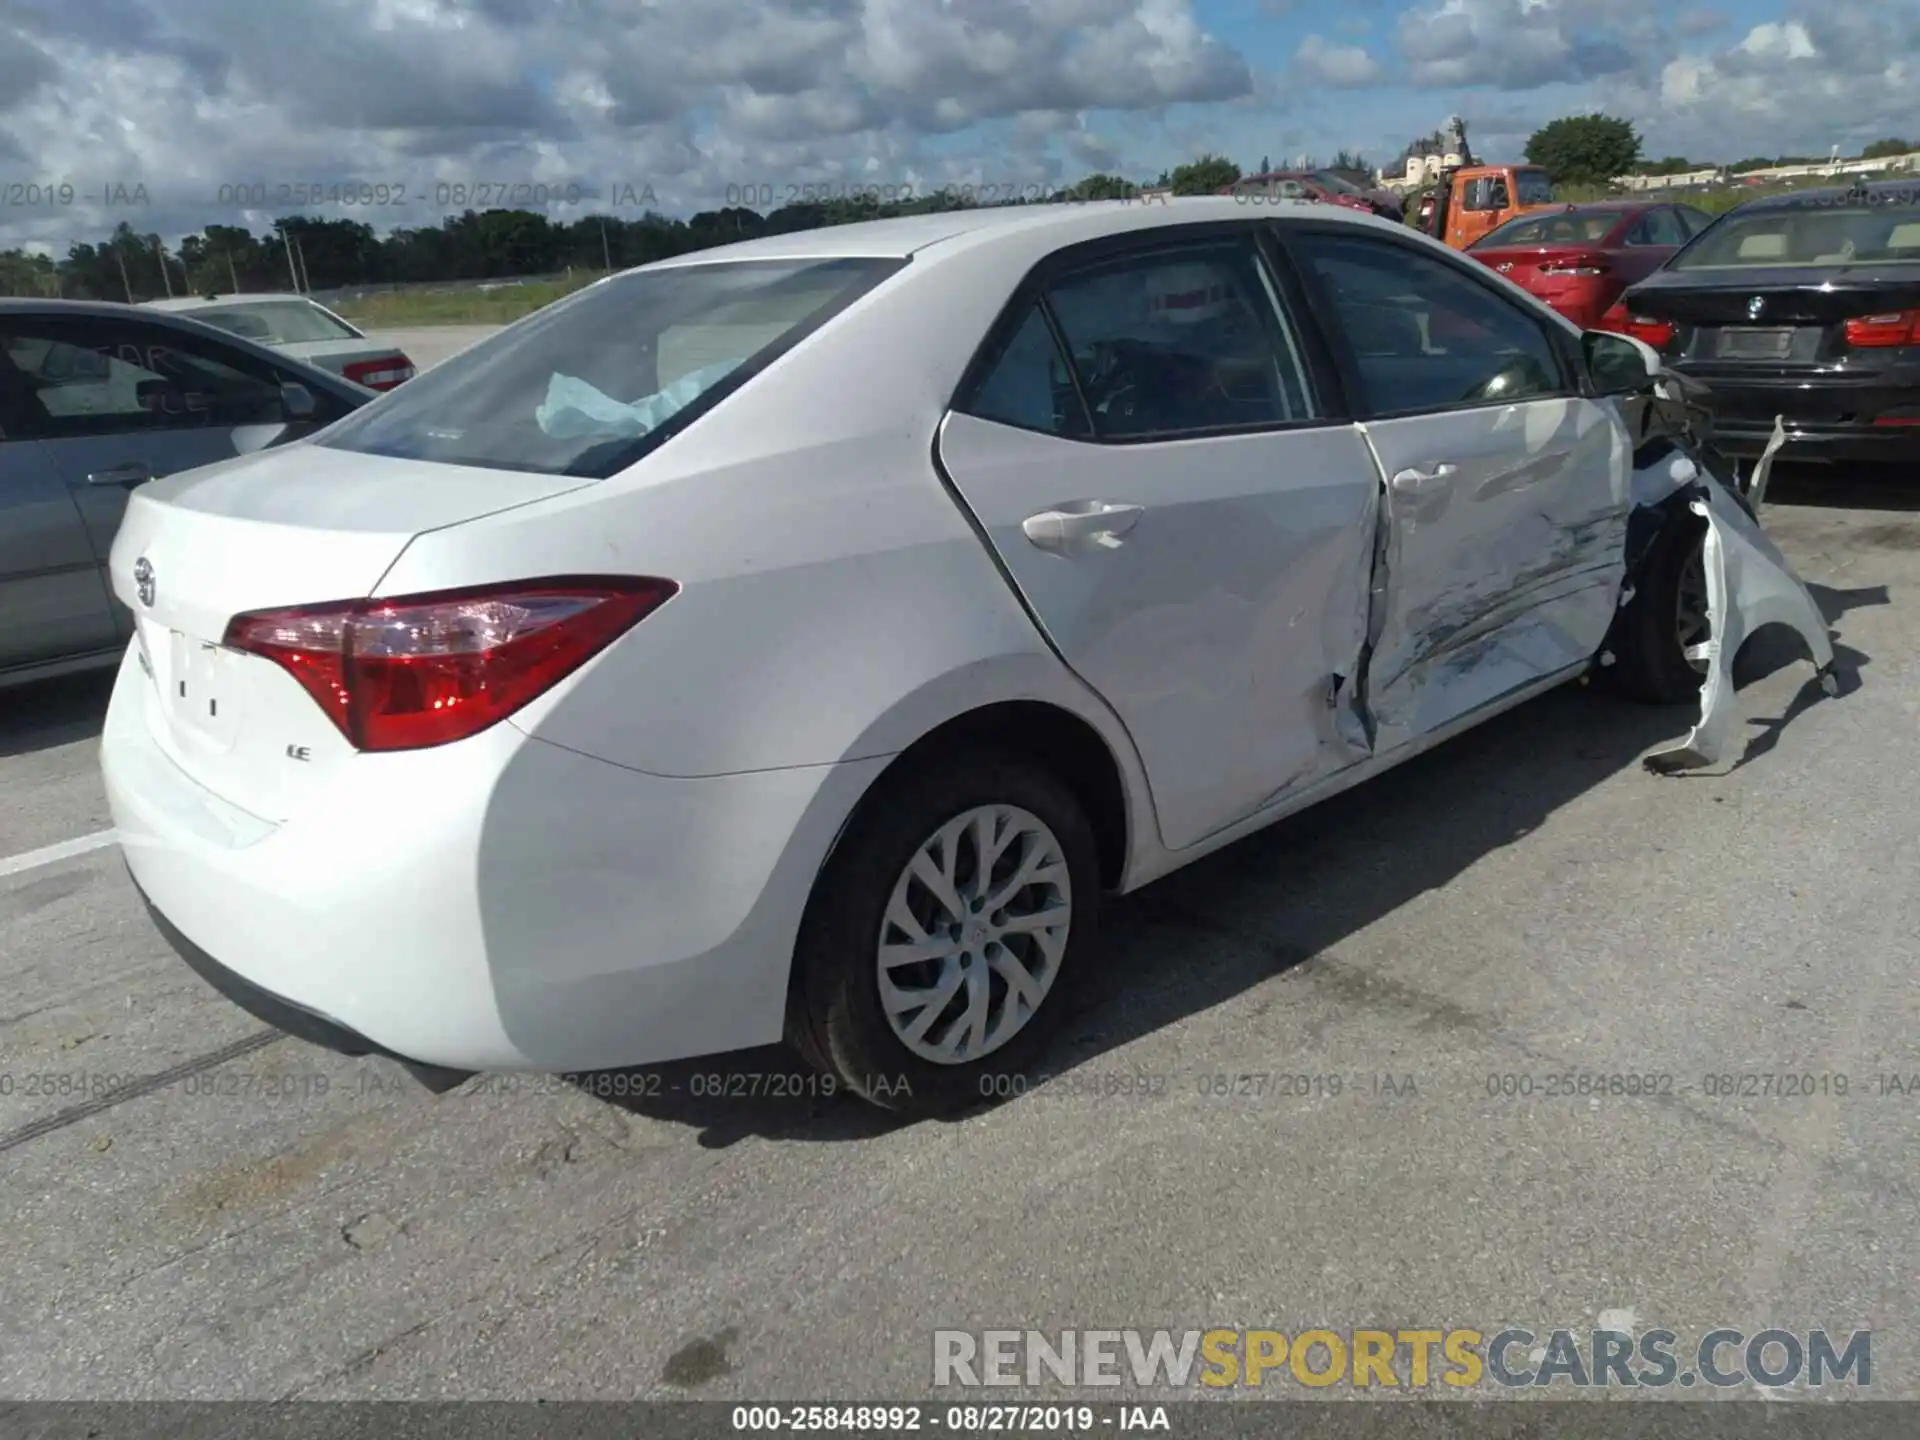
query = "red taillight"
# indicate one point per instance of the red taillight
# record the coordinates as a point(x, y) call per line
point(1576, 265)
point(421, 670)
point(1620, 320)
point(381, 374)
point(1876, 332)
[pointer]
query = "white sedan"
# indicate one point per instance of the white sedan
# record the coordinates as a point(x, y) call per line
point(800, 638)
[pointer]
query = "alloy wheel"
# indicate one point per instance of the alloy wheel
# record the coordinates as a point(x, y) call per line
point(1692, 624)
point(974, 933)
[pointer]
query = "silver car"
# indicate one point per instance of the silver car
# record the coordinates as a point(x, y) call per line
point(302, 328)
point(96, 398)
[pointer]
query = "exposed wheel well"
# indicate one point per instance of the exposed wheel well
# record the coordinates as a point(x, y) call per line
point(1068, 747)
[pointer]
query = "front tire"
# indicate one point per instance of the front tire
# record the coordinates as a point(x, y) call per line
point(1668, 613)
point(933, 964)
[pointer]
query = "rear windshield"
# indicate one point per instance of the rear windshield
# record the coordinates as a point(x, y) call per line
point(590, 383)
point(1808, 236)
point(287, 322)
point(1579, 227)
point(1535, 186)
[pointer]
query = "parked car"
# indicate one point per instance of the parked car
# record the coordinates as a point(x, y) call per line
point(95, 399)
point(303, 328)
point(800, 637)
point(1805, 307)
point(1581, 258)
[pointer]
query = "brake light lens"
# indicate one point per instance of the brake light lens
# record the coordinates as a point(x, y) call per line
point(1875, 332)
point(381, 374)
point(423, 670)
point(1620, 320)
point(1576, 265)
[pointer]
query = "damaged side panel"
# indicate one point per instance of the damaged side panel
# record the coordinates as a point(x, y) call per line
point(1749, 584)
point(1503, 553)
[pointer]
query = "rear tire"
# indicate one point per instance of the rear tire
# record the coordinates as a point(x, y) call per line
point(1003, 964)
point(1668, 612)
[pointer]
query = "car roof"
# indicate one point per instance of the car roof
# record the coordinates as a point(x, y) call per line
point(209, 302)
point(955, 231)
point(1900, 190)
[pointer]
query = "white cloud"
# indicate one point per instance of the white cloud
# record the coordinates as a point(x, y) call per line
point(188, 96)
point(1321, 62)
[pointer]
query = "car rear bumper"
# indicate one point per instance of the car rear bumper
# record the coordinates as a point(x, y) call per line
point(1834, 421)
point(498, 904)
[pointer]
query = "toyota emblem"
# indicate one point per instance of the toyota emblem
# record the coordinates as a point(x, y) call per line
point(143, 580)
point(1755, 306)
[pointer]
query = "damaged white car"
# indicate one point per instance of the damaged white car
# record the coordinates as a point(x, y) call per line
point(800, 638)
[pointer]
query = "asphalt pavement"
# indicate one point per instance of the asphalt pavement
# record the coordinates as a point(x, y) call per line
point(204, 1211)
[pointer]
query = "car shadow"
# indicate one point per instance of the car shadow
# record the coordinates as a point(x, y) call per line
point(49, 713)
point(1349, 861)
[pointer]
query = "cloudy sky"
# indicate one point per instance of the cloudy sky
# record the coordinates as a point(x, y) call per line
point(686, 98)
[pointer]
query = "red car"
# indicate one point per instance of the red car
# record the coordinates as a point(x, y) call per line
point(1581, 258)
point(1298, 185)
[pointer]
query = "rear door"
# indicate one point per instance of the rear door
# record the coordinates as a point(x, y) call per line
point(1156, 456)
point(1507, 494)
point(116, 402)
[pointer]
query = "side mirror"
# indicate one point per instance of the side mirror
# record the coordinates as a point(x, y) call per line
point(298, 401)
point(1619, 364)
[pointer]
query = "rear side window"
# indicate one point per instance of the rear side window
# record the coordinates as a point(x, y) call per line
point(1028, 385)
point(1657, 227)
point(591, 383)
point(1181, 341)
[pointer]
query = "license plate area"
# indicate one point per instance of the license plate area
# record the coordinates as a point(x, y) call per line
point(1755, 343)
point(199, 688)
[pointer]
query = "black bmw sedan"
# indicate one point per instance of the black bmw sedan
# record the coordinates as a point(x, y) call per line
point(1804, 306)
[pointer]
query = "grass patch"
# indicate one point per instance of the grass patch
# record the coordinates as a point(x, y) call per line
point(503, 306)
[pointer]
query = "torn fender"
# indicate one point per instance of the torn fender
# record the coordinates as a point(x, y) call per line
point(1749, 584)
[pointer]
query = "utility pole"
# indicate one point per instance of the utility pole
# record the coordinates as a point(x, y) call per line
point(120, 255)
point(286, 238)
point(606, 255)
point(166, 277)
point(306, 280)
point(232, 274)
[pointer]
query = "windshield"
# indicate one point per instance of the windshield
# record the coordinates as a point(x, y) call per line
point(1535, 187)
point(1330, 181)
point(284, 322)
point(1577, 227)
point(590, 383)
point(1807, 235)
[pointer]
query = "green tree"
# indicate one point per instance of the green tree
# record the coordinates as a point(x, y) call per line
point(1100, 186)
point(1672, 165)
point(1585, 149)
point(1882, 149)
point(1208, 175)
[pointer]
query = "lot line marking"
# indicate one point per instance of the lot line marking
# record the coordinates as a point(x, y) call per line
point(52, 854)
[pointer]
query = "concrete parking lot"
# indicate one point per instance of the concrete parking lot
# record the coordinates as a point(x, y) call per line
point(251, 1217)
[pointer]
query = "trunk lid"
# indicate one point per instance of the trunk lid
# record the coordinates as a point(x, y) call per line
point(1778, 320)
point(298, 525)
point(1521, 263)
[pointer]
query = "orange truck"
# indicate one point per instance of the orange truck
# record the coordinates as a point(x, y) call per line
point(1469, 200)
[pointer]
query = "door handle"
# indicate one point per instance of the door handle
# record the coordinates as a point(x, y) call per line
point(1080, 521)
point(135, 473)
point(1420, 482)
